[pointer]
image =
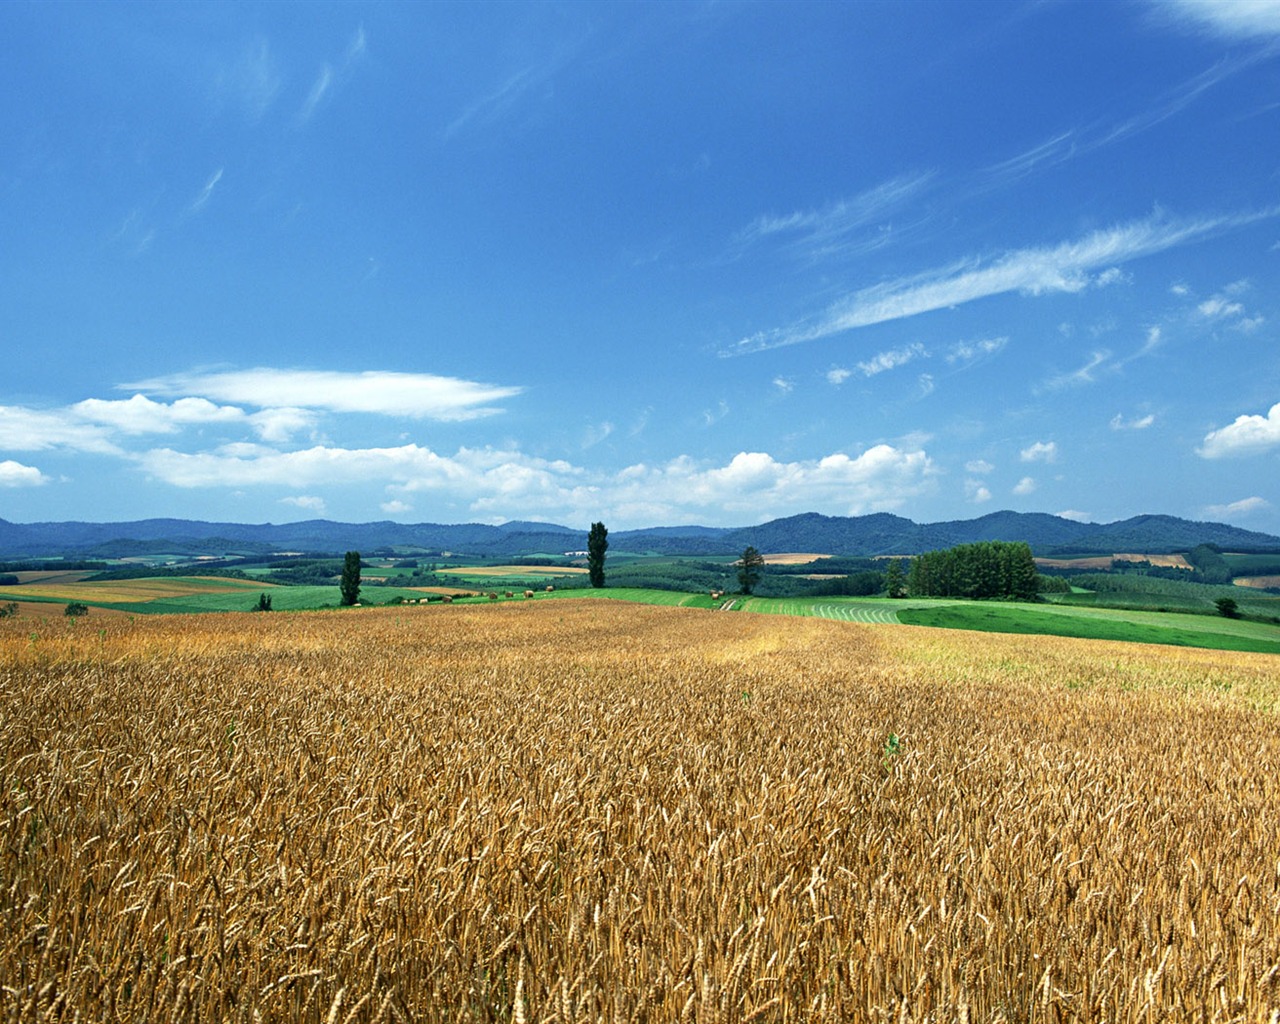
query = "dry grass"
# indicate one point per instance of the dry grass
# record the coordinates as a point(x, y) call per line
point(1260, 582)
point(575, 811)
point(131, 591)
point(515, 570)
point(1104, 561)
point(792, 558)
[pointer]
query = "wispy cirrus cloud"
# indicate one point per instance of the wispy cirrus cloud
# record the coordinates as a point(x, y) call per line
point(1230, 19)
point(1119, 422)
point(1068, 144)
point(331, 75)
point(838, 227)
point(206, 193)
point(1066, 267)
point(388, 393)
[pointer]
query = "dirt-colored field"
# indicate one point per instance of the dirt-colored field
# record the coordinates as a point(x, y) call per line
point(30, 611)
point(514, 570)
point(131, 591)
point(587, 811)
point(792, 558)
point(1261, 582)
point(1103, 562)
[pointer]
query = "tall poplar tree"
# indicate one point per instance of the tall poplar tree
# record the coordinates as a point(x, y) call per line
point(350, 582)
point(597, 544)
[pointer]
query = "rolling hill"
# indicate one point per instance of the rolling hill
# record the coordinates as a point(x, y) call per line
point(877, 534)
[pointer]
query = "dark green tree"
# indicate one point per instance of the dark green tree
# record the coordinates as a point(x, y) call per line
point(749, 569)
point(350, 583)
point(76, 608)
point(1228, 608)
point(895, 583)
point(264, 603)
point(597, 545)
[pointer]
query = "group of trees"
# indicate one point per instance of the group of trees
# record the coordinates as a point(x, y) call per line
point(989, 569)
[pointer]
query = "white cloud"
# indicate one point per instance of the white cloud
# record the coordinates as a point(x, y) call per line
point(15, 474)
point(891, 360)
point(1075, 515)
point(206, 192)
point(1110, 276)
point(595, 433)
point(1243, 507)
point(971, 351)
point(814, 234)
point(976, 491)
point(838, 376)
point(926, 384)
point(1179, 289)
point(1084, 375)
point(784, 385)
point(710, 417)
point(752, 486)
point(416, 395)
point(1118, 422)
point(1248, 435)
point(1066, 267)
point(1231, 19)
point(36, 430)
point(979, 467)
point(1218, 307)
point(1024, 486)
point(1041, 451)
point(140, 415)
point(396, 507)
point(306, 501)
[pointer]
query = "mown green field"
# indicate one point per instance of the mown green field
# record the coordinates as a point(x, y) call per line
point(1149, 627)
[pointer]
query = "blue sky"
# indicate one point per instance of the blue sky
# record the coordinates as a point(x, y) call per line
point(650, 263)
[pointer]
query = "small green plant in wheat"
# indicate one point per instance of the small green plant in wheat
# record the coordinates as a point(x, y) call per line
point(892, 748)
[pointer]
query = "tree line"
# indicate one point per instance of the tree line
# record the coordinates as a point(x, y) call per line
point(983, 571)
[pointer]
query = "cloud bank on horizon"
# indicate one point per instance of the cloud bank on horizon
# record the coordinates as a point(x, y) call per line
point(644, 265)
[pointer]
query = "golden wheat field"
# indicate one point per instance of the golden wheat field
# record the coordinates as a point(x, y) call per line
point(580, 811)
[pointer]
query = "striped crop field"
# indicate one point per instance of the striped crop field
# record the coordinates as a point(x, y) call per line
point(841, 611)
point(579, 810)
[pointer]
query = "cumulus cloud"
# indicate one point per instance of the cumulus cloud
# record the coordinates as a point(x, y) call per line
point(1041, 451)
point(751, 486)
point(306, 501)
point(415, 395)
point(1243, 507)
point(36, 430)
point(1248, 435)
point(1075, 515)
point(838, 375)
point(1024, 486)
point(396, 507)
point(15, 474)
point(979, 467)
point(976, 491)
point(141, 415)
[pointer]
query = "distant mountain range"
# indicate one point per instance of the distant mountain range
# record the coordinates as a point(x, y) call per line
point(879, 534)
